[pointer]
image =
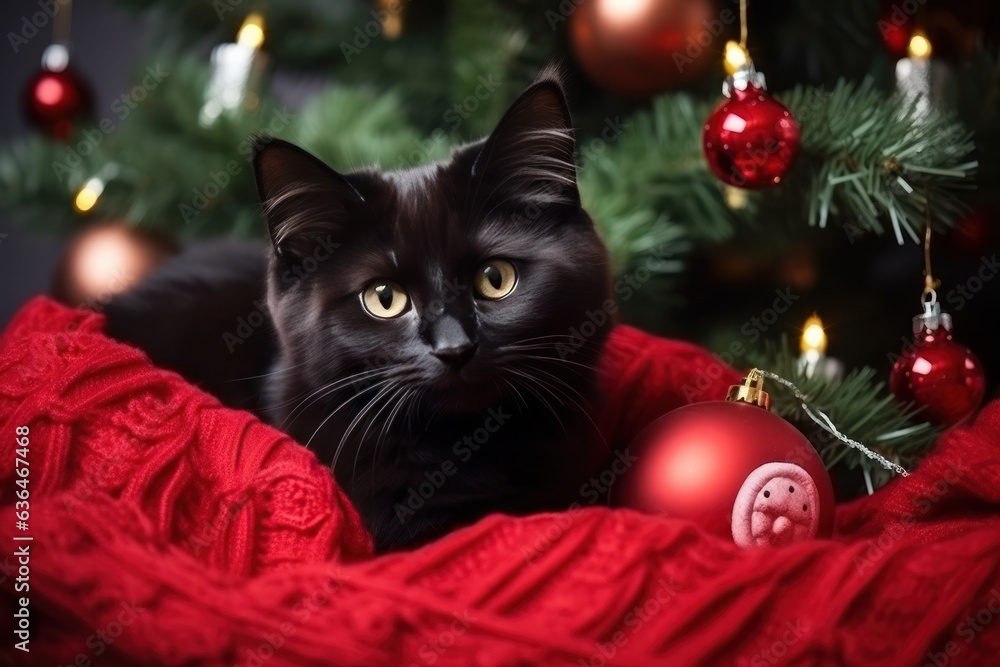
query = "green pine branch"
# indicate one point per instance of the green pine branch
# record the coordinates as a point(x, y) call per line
point(860, 407)
point(873, 163)
point(867, 164)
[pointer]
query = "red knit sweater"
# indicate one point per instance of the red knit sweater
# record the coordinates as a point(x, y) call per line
point(170, 530)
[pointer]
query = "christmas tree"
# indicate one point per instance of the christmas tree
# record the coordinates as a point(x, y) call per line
point(892, 112)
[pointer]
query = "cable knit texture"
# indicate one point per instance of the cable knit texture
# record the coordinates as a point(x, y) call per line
point(170, 530)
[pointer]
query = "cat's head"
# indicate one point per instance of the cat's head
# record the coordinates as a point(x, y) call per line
point(451, 278)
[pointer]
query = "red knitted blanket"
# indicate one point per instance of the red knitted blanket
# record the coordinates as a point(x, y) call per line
point(167, 529)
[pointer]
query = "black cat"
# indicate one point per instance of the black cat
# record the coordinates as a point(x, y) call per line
point(416, 326)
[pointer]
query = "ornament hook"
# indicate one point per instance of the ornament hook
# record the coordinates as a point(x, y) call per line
point(750, 390)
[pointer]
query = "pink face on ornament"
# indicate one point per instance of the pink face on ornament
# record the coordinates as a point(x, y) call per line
point(777, 504)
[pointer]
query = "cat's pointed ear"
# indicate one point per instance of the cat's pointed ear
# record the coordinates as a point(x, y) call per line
point(304, 200)
point(530, 154)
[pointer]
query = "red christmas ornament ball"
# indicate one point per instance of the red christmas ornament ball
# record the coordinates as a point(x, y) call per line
point(937, 373)
point(55, 101)
point(641, 47)
point(735, 469)
point(751, 139)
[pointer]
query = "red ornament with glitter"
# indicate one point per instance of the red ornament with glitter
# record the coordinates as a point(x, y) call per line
point(937, 373)
point(56, 98)
point(751, 139)
point(733, 467)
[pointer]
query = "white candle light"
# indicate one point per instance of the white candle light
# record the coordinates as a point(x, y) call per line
point(813, 348)
point(919, 79)
point(232, 67)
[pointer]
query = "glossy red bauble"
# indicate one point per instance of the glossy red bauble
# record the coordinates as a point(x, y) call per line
point(735, 469)
point(751, 139)
point(55, 101)
point(937, 373)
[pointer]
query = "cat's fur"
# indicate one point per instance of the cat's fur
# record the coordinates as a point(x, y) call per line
point(421, 441)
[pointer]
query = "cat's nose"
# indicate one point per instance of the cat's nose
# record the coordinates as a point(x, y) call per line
point(449, 341)
point(456, 355)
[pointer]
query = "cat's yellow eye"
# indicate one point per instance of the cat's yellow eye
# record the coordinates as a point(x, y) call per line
point(384, 299)
point(495, 279)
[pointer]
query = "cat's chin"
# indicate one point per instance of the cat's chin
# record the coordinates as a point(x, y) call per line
point(464, 396)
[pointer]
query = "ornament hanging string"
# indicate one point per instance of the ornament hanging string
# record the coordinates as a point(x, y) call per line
point(930, 283)
point(825, 423)
point(61, 23)
point(743, 25)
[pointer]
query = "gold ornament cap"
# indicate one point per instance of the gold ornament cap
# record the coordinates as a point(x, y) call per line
point(750, 390)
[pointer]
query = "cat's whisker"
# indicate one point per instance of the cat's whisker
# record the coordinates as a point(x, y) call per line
point(580, 408)
point(357, 419)
point(558, 394)
point(541, 347)
point(264, 375)
point(562, 382)
point(309, 393)
point(552, 341)
point(396, 392)
point(560, 362)
point(386, 427)
point(546, 337)
point(531, 380)
point(328, 389)
point(412, 409)
point(339, 407)
point(520, 399)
